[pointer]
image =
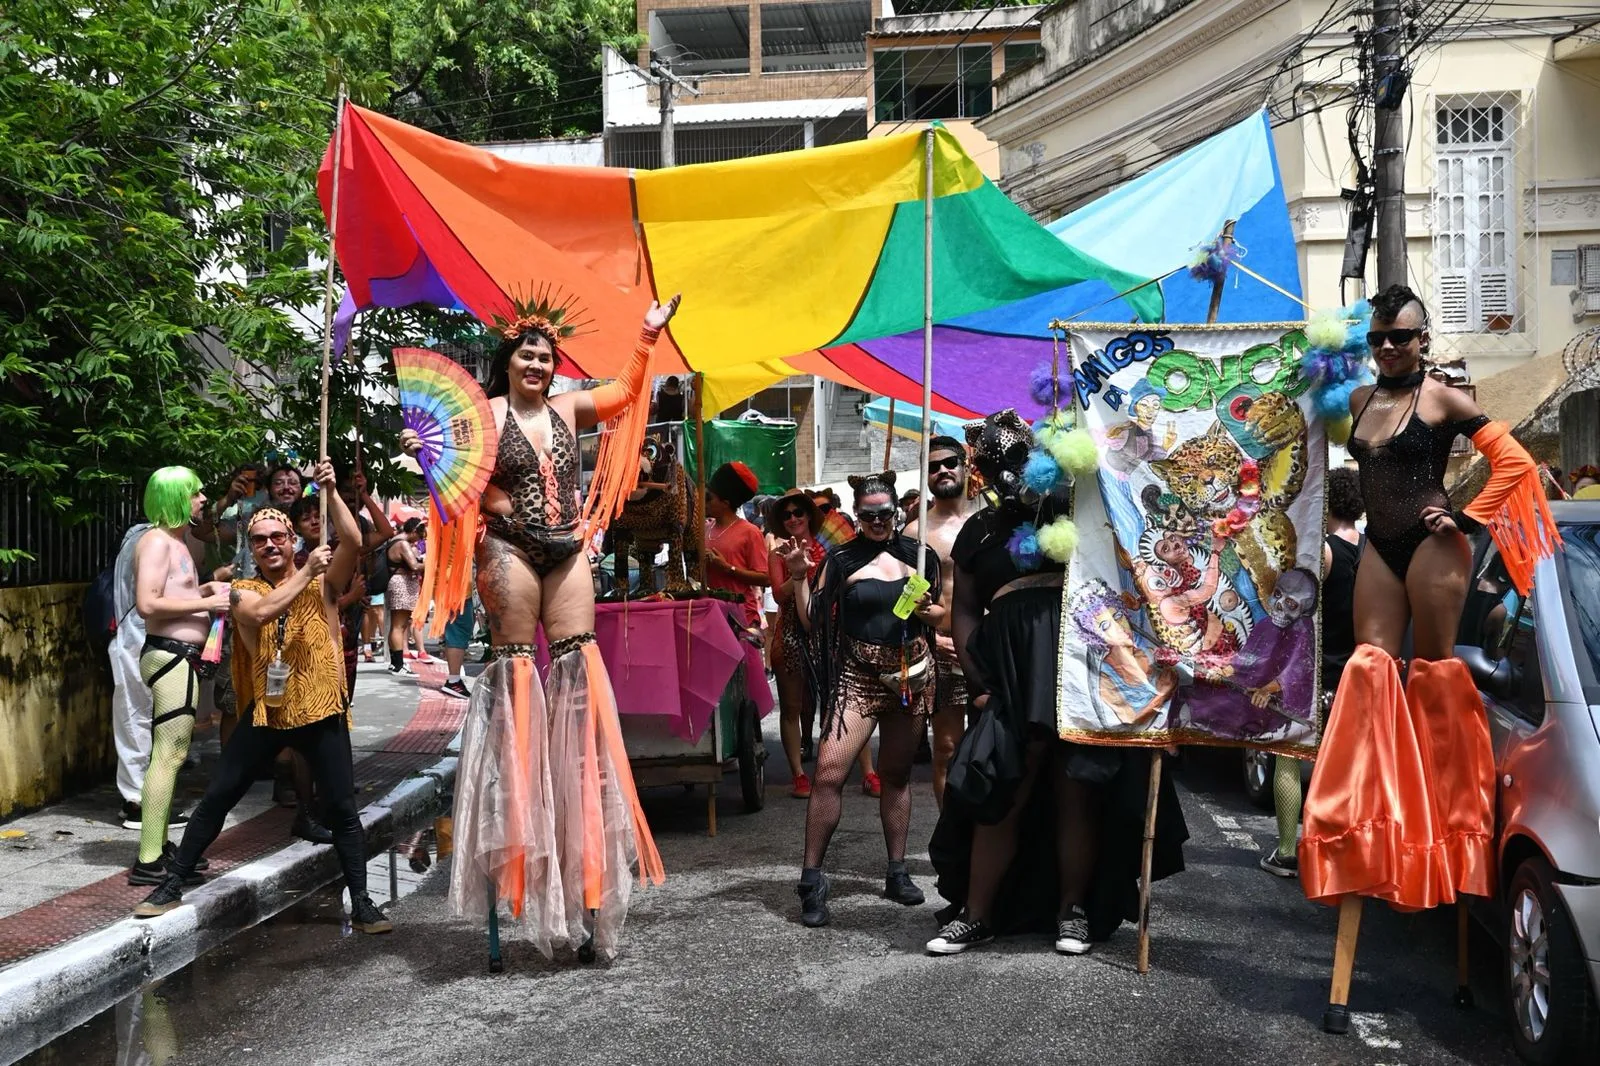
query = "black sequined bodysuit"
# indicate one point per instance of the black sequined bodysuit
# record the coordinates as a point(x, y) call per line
point(1403, 475)
point(543, 529)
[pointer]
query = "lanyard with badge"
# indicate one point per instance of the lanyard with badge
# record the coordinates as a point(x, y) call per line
point(277, 669)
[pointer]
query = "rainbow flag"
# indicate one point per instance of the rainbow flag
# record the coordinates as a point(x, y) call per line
point(784, 261)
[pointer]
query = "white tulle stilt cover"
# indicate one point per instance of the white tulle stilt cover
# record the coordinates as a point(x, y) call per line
point(547, 818)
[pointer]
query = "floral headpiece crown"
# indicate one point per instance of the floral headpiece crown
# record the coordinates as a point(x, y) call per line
point(547, 312)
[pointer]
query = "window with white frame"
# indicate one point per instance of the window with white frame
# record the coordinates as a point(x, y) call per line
point(1474, 224)
point(1588, 279)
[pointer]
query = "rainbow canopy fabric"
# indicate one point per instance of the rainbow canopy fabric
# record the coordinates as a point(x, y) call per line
point(1148, 228)
point(781, 259)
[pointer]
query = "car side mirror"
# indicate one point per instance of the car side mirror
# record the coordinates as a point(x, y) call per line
point(1496, 678)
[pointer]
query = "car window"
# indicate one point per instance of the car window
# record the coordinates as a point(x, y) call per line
point(1580, 566)
point(1501, 621)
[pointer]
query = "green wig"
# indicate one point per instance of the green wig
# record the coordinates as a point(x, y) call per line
point(168, 495)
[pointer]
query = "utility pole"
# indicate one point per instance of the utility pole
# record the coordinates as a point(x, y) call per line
point(666, 82)
point(1389, 85)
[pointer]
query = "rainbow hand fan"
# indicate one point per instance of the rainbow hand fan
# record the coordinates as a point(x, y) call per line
point(836, 530)
point(451, 414)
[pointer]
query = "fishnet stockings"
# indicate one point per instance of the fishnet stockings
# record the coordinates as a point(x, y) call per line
point(175, 691)
point(1286, 798)
point(897, 749)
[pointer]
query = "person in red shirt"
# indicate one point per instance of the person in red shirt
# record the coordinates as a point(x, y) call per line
point(736, 552)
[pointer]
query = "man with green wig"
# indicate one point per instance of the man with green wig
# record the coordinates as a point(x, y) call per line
point(177, 612)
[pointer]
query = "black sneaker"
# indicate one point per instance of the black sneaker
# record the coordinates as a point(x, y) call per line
point(308, 828)
point(132, 816)
point(899, 887)
point(1072, 933)
point(153, 873)
point(959, 935)
point(169, 851)
point(1280, 865)
point(179, 821)
point(167, 896)
point(814, 902)
point(458, 689)
point(365, 916)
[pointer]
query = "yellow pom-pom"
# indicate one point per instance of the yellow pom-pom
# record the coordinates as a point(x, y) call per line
point(1339, 431)
point(1059, 540)
point(1326, 330)
point(1075, 452)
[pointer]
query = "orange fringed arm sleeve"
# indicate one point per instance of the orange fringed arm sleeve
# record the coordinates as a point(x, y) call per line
point(616, 470)
point(1512, 505)
point(447, 568)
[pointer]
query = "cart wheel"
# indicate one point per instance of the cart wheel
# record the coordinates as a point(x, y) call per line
point(752, 759)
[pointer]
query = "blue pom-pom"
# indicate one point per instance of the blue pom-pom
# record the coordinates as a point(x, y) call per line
point(1042, 385)
point(1041, 472)
point(1023, 547)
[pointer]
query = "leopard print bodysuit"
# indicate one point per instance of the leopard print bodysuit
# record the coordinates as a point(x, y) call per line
point(543, 522)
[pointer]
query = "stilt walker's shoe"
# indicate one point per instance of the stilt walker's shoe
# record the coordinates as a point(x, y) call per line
point(1453, 730)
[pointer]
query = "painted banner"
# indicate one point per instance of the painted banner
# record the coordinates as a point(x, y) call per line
point(1190, 610)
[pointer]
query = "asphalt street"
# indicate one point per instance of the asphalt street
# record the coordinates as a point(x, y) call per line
point(715, 968)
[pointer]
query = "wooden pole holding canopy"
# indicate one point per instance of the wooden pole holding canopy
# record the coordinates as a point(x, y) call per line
point(927, 349)
point(888, 436)
point(327, 295)
point(697, 515)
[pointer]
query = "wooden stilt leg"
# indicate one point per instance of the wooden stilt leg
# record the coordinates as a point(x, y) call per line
point(495, 963)
point(1336, 1019)
point(711, 810)
point(586, 949)
point(1463, 930)
point(1147, 859)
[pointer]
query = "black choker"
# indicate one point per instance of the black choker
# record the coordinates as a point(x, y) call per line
point(1407, 381)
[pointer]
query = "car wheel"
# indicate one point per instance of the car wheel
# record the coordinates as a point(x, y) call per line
point(1258, 777)
point(1554, 1018)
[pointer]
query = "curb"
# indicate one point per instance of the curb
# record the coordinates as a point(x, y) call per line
point(45, 996)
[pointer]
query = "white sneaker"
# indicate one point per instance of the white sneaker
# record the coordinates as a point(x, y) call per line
point(1072, 934)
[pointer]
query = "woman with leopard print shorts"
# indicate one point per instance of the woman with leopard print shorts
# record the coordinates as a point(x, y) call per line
point(548, 827)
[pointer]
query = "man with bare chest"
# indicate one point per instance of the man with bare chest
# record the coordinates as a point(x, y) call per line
point(177, 611)
point(948, 510)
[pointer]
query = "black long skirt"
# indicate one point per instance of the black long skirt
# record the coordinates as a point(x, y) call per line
point(1015, 649)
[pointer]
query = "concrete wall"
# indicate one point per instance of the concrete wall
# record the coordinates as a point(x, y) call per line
point(55, 700)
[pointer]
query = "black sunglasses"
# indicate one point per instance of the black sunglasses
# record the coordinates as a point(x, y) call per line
point(1397, 337)
point(791, 513)
point(825, 508)
point(875, 514)
point(950, 463)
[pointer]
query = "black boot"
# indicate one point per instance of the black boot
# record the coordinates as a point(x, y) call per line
point(813, 899)
point(308, 828)
point(899, 887)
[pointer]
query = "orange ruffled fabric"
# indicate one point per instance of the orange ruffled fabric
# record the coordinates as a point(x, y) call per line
point(616, 470)
point(1401, 806)
point(1512, 505)
point(447, 568)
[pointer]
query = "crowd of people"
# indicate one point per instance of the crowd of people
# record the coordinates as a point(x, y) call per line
point(922, 627)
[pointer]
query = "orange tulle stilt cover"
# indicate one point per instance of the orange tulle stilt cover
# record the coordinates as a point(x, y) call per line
point(1401, 801)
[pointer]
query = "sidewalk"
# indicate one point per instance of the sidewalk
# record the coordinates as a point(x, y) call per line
point(66, 938)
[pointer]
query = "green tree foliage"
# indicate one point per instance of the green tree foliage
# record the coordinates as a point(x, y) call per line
point(158, 212)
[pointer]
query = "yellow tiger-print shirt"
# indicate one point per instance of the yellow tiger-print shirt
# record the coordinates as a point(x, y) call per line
point(316, 662)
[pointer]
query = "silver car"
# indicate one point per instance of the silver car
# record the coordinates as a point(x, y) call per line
point(1536, 661)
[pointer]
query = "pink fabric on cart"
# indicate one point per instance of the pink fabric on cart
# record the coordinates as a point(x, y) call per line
point(673, 658)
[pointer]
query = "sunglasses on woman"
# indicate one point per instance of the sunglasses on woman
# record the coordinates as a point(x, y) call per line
point(1397, 337)
point(791, 515)
point(825, 508)
point(875, 514)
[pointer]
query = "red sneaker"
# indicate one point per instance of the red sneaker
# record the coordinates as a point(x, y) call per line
point(802, 787)
point(871, 784)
